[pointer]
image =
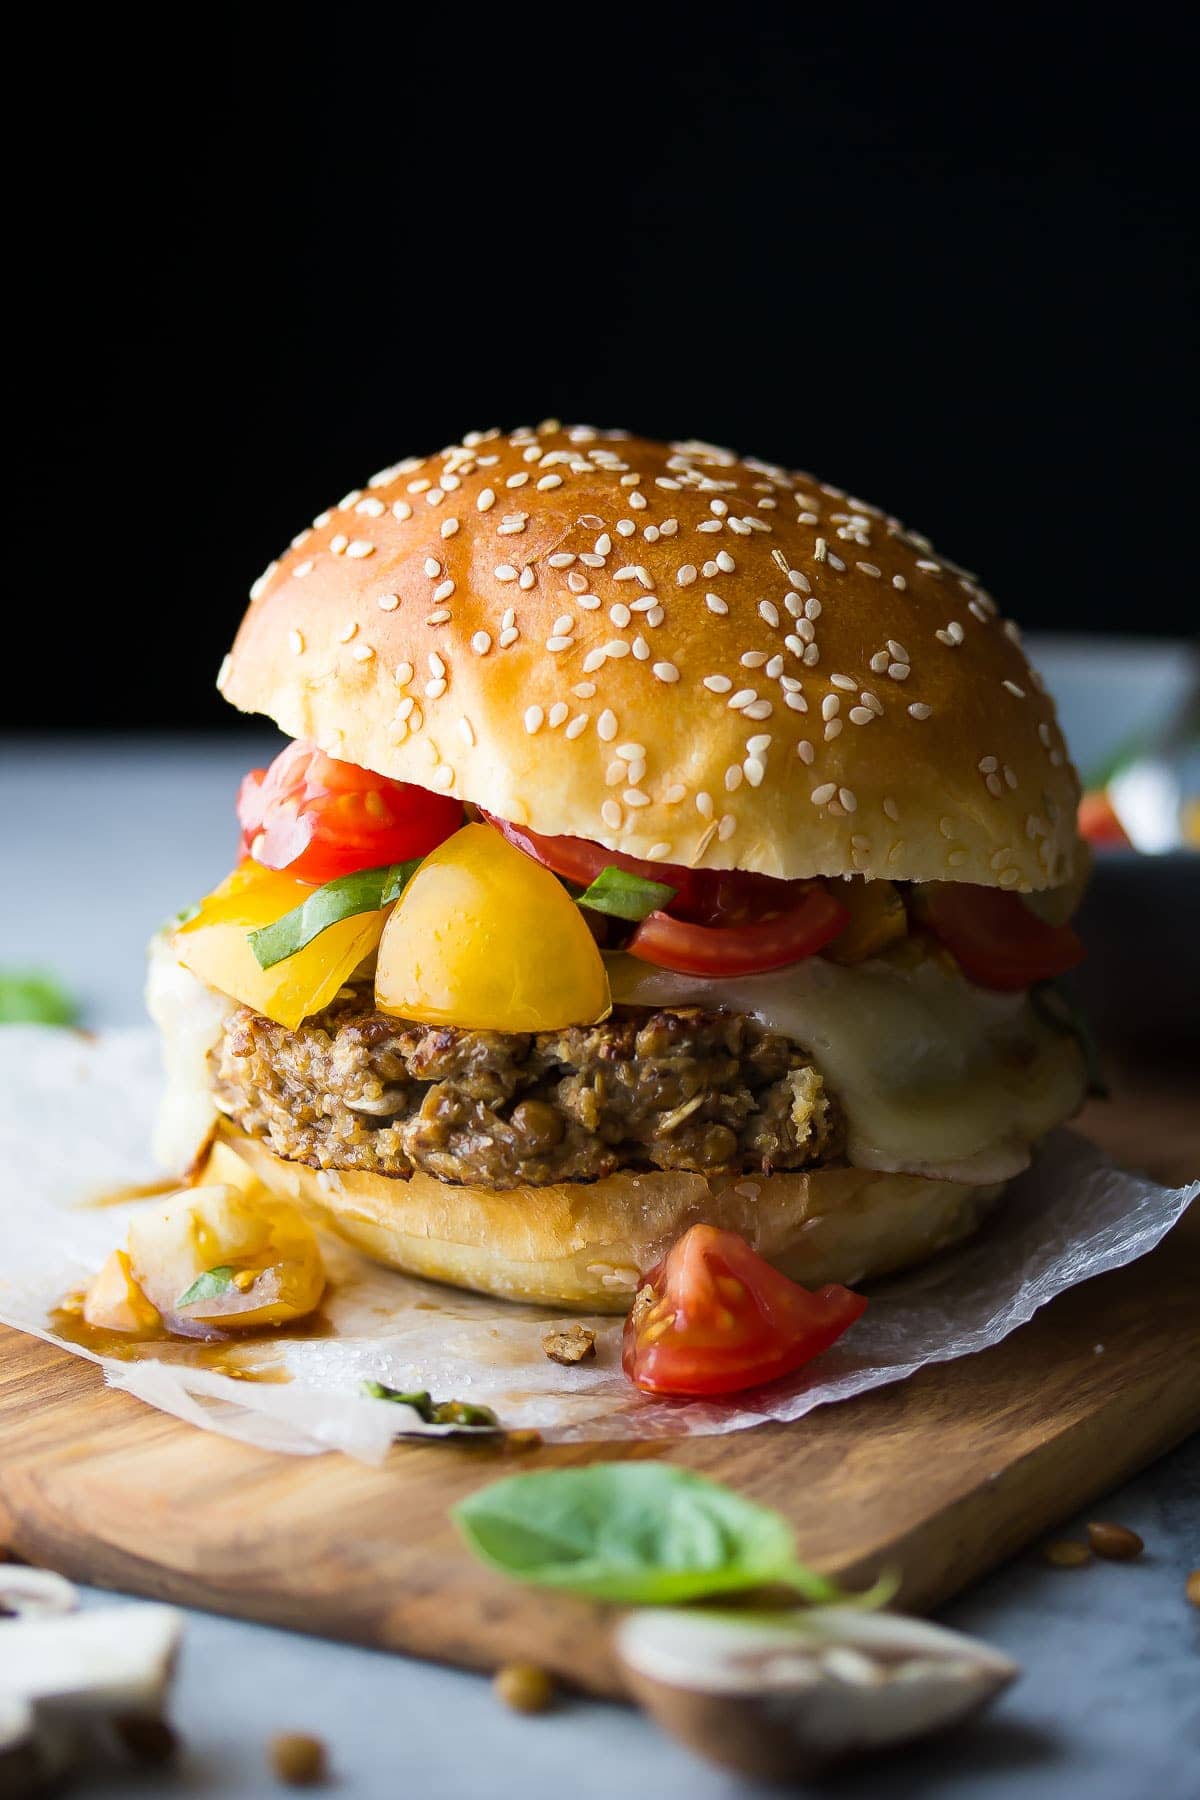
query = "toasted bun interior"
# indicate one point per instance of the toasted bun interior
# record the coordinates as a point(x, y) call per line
point(685, 655)
point(585, 1245)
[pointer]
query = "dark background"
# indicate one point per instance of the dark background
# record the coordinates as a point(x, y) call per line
point(954, 272)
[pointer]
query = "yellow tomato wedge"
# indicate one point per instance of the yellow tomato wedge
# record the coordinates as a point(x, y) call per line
point(262, 1254)
point(877, 919)
point(215, 947)
point(484, 937)
point(115, 1302)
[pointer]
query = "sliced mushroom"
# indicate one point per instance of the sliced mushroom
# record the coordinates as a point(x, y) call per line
point(109, 1660)
point(782, 1696)
point(34, 1593)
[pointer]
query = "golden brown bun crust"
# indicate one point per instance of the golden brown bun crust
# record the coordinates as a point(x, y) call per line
point(584, 1244)
point(676, 653)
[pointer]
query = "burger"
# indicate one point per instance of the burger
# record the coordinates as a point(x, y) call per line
point(666, 838)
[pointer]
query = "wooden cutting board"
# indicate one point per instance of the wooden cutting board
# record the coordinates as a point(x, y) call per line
point(943, 1475)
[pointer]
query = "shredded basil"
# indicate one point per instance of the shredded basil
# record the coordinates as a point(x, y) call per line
point(626, 896)
point(31, 997)
point(366, 890)
point(433, 1412)
point(1053, 1008)
point(635, 1533)
point(208, 1286)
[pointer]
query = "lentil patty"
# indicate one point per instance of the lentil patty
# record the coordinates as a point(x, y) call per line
point(674, 1089)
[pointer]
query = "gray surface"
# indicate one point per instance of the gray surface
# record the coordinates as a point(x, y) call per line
point(101, 842)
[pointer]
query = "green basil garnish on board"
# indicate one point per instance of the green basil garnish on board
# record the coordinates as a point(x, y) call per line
point(366, 890)
point(433, 1412)
point(1053, 1008)
point(30, 997)
point(626, 896)
point(208, 1286)
point(640, 1534)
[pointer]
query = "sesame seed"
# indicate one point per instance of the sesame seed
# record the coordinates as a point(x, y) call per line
point(812, 656)
point(296, 643)
point(481, 643)
point(769, 611)
point(898, 581)
point(805, 751)
point(919, 710)
point(518, 480)
point(726, 828)
point(725, 562)
point(1012, 687)
point(558, 642)
point(443, 776)
point(715, 604)
point(898, 671)
point(562, 559)
point(440, 616)
point(844, 682)
point(830, 706)
point(620, 614)
point(891, 809)
point(869, 569)
point(508, 636)
point(612, 815)
point(717, 684)
point(388, 602)
point(752, 659)
point(584, 690)
point(658, 852)
point(436, 665)
point(754, 769)
point(485, 500)
point(302, 569)
point(743, 697)
point(860, 715)
point(848, 800)
point(557, 714)
point(549, 481)
point(832, 730)
point(638, 502)
point(821, 550)
point(821, 796)
point(674, 794)
point(360, 548)
point(603, 544)
point(347, 632)
point(337, 544)
point(466, 732)
point(733, 778)
point(626, 527)
point(527, 578)
point(634, 797)
point(435, 689)
point(533, 719)
point(504, 572)
point(444, 590)
point(449, 527)
point(606, 725)
point(704, 805)
point(401, 509)
point(404, 674)
point(432, 567)
point(686, 574)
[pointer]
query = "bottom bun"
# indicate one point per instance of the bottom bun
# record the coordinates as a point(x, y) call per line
point(586, 1244)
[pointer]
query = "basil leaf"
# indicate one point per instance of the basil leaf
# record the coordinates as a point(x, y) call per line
point(635, 1533)
point(433, 1412)
point(1054, 1009)
point(208, 1286)
point(33, 998)
point(366, 890)
point(626, 896)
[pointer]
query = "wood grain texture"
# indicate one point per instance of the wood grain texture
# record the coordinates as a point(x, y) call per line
point(944, 1475)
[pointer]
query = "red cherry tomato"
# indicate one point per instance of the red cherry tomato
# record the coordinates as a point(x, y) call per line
point(721, 921)
point(319, 818)
point(1098, 821)
point(995, 938)
point(713, 1317)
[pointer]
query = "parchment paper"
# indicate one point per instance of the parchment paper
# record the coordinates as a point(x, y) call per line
point(75, 1115)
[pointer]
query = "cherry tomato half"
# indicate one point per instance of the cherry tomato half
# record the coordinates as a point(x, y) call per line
point(721, 921)
point(713, 1317)
point(996, 939)
point(319, 818)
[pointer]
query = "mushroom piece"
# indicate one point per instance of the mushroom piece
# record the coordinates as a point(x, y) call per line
point(27, 1593)
point(65, 1676)
point(781, 1696)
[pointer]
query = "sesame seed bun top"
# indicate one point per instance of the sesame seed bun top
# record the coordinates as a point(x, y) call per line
point(678, 653)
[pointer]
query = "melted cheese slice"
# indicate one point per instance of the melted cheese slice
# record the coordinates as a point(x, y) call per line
point(936, 1077)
